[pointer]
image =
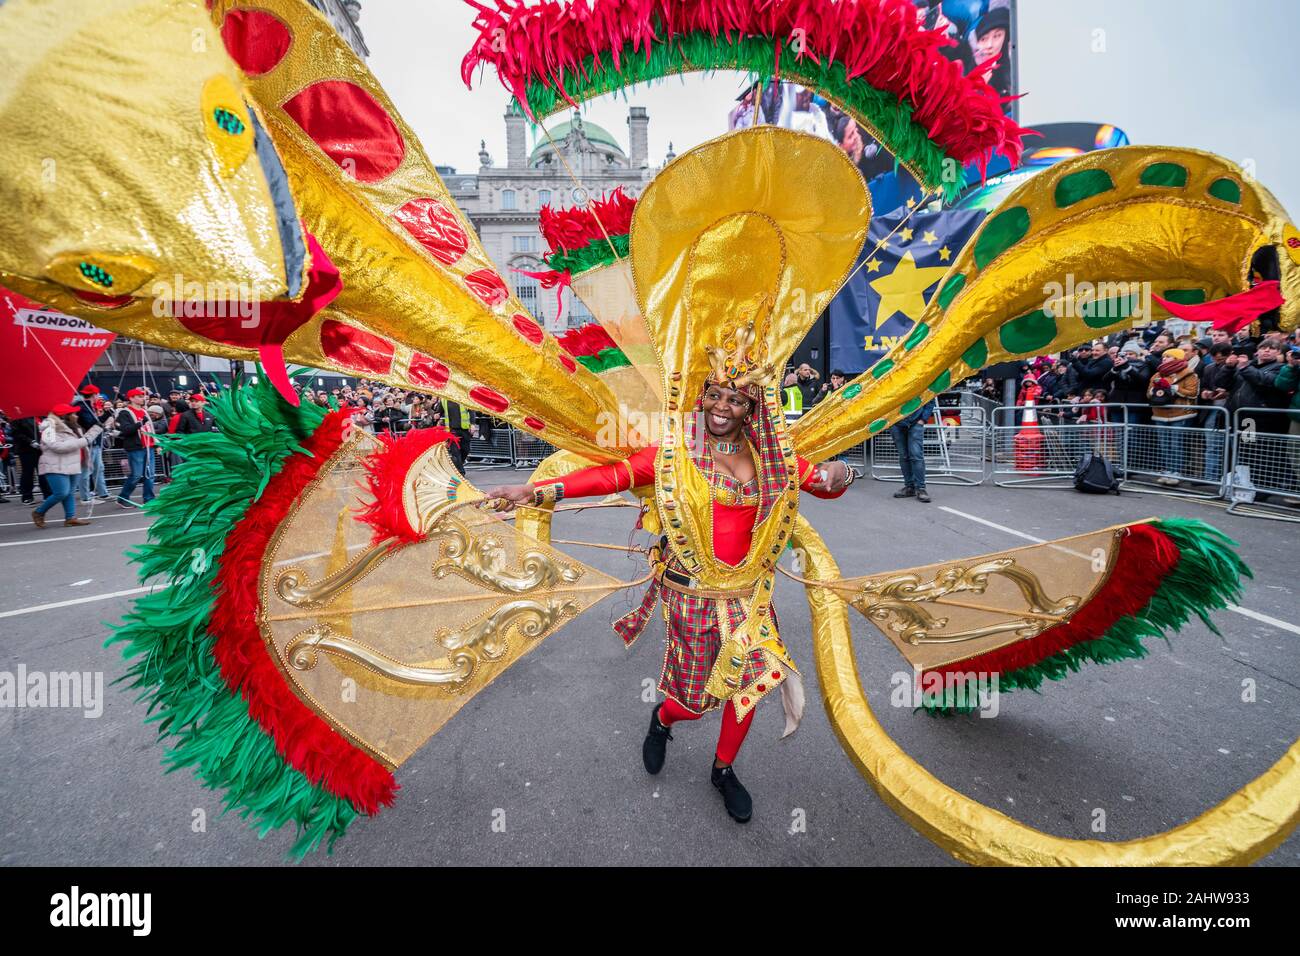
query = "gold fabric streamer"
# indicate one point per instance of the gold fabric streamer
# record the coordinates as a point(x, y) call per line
point(1243, 828)
point(1071, 255)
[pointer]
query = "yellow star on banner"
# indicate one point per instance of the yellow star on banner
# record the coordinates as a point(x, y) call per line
point(903, 290)
point(945, 254)
point(873, 265)
point(929, 236)
point(911, 204)
point(906, 234)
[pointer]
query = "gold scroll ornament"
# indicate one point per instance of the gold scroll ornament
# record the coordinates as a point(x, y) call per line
point(386, 642)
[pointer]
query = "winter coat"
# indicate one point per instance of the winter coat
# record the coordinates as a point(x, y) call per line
point(189, 422)
point(1185, 388)
point(1288, 380)
point(130, 429)
point(61, 447)
point(1092, 371)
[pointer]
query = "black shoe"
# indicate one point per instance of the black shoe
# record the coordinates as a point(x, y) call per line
point(906, 492)
point(655, 747)
point(922, 495)
point(734, 795)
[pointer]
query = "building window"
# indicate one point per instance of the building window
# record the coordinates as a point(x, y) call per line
point(508, 199)
point(543, 197)
point(526, 291)
point(577, 314)
point(522, 243)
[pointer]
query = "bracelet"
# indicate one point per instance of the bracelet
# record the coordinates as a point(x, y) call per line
point(545, 496)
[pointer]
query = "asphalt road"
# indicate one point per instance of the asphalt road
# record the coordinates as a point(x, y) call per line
point(552, 748)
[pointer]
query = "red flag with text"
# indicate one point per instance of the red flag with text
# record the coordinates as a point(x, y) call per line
point(46, 355)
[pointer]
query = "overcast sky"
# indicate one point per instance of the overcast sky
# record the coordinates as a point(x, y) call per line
point(1219, 75)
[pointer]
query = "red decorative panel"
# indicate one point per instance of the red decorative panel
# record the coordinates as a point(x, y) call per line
point(536, 423)
point(567, 362)
point(487, 285)
point(527, 327)
point(434, 226)
point(355, 348)
point(353, 130)
point(492, 401)
point(255, 39)
point(428, 371)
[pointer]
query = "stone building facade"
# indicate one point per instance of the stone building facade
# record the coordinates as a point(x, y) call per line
point(503, 202)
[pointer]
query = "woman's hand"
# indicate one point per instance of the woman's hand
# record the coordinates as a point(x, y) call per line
point(511, 496)
point(837, 476)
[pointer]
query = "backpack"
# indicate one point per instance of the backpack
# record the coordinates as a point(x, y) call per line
point(1095, 475)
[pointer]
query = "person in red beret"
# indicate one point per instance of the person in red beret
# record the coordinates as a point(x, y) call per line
point(136, 432)
point(62, 446)
point(196, 418)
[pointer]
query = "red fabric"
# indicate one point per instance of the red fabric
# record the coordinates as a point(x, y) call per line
point(351, 127)
point(302, 738)
point(730, 737)
point(1232, 313)
point(386, 473)
point(435, 227)
point(173, 422)
point(355, 348)
point(488, 286)
point(1146, 556)
point(426, 370)
point(255, 39)
point(45, 354)
point(276, 319)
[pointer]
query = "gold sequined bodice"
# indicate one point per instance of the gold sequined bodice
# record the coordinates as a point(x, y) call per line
point(731, 491)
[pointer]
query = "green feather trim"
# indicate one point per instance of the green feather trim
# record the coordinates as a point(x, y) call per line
point(591, 256)
point(1208, 576)
point(880, 112)
point(604, 360)
point(165, 635)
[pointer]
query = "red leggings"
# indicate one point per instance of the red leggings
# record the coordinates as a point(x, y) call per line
point(729, 739)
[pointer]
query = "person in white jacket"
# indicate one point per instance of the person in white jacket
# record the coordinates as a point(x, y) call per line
point(62, 444)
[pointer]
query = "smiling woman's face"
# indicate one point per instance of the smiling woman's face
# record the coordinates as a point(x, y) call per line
point(724, 410)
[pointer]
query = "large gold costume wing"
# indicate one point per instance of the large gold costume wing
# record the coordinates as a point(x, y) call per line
point(386, 640)
point(1074, 253)
point(421, 305)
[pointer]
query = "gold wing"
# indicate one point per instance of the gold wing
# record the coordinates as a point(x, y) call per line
point(387, 643)
point(421, 304)
point(1072, 254)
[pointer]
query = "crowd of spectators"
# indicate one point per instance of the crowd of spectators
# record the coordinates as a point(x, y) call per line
point(1152, 377)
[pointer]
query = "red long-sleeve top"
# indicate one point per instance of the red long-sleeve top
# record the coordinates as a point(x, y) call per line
point(733, 525)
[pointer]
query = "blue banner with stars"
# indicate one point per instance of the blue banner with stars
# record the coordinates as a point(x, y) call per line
point(885, 297)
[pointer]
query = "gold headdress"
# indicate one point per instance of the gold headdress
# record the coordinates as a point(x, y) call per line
point(741, 272)
point(734, 364)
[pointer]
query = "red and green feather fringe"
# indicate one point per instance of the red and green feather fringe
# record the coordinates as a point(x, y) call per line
point(594, 348)
point(869, 56)
point(191, 646)
point(1168, 570)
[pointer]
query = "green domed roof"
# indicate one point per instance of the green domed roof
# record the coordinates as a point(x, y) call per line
point(594, 132)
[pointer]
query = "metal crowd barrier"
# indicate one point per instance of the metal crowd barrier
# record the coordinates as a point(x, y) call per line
point(1189, 459)
point(497, 448)
point(528, 451)
point(954, 449)
point(1265, 460)
point(1017, 458)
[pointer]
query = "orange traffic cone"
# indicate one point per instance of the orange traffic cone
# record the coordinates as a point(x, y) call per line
point(1029, 441)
